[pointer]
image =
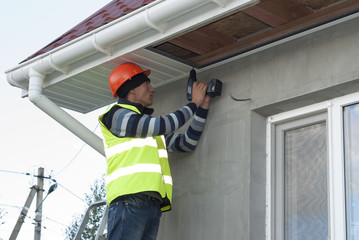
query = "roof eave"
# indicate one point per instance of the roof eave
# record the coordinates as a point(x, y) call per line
point(150, 24)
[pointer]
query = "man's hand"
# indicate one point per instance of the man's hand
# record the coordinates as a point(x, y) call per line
point(199, 92)
point(205, 103)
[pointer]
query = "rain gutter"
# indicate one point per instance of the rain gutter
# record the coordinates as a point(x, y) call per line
point(155, 16)
point(165, 17)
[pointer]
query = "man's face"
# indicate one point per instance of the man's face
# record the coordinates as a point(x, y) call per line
point(143, 94)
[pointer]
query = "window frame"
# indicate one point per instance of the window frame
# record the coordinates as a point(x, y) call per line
point(336, 176)
point(279, 167)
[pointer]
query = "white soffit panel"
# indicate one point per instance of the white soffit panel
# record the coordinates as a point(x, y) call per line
point(88, 90)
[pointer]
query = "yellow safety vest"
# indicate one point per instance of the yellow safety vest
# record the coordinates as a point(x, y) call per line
point(136, 165)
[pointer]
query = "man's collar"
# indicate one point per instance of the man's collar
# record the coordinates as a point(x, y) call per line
point(142, 109)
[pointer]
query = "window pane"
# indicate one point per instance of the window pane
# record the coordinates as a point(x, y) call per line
point(351, 139)
point(305, 183)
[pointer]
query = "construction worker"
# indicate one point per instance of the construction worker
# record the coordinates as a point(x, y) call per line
point(138, 179)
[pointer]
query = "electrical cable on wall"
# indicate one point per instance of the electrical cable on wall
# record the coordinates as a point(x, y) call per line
point(238, 99)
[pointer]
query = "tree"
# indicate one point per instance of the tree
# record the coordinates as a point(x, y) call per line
point(2, 215)
point(98, 193)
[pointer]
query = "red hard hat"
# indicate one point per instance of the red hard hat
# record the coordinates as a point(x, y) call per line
point(123, 73)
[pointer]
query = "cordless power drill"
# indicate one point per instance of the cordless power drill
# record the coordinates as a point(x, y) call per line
point(214, 86)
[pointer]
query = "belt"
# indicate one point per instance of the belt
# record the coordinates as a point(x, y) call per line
point(124, 197)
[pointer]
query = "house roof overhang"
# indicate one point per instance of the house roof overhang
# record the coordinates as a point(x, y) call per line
point(170, 37)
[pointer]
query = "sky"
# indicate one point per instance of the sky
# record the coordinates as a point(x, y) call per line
point(29, 138)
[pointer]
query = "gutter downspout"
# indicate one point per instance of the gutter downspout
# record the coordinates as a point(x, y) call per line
point(36, 81)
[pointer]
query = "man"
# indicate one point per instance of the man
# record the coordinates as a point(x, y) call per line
point(138, 179)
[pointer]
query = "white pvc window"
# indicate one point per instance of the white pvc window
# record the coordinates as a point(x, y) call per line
point(300, 170)
point(351, 148)
point(305, 182)
point(313, 172)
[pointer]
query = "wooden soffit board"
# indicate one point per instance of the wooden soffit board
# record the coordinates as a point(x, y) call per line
point(244, 30)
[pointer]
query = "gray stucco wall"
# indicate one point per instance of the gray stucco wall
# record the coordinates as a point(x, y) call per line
point(219, 190)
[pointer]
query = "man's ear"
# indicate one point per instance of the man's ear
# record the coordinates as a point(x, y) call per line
point(131, 95)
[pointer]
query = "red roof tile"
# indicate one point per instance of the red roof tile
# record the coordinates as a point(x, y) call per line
point(110, 12)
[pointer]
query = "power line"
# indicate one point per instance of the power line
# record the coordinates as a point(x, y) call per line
point(68, 164)
point(72, 193)
point(24, 173)
point(42, 177)
point(37, 222)
point(13, 206)
point(76, 155)
point(55, 221)
point(7, 171)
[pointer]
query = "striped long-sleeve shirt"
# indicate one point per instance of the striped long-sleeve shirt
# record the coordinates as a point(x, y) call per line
point(127, 123)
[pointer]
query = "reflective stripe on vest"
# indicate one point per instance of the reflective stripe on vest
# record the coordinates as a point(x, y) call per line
point(136, 142)
point(139, 168)
point(167, 179)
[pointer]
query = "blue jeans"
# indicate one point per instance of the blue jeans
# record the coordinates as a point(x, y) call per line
point(134, 217)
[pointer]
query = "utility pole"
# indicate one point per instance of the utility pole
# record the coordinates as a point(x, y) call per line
point(38, 190)
point(23, 213)
point(39, 196)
